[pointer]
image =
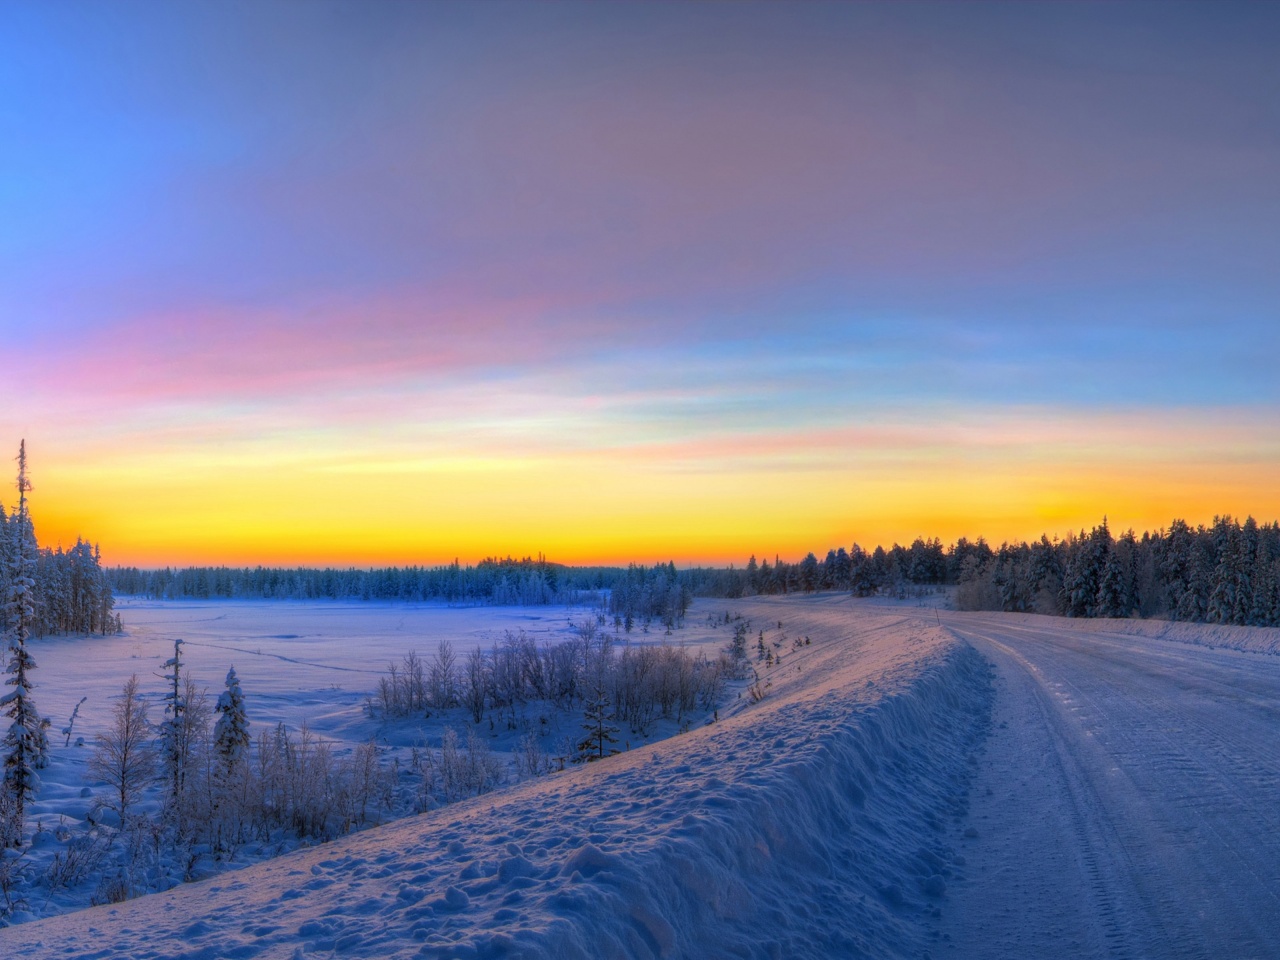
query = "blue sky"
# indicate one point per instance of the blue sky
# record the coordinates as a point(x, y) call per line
point(496, 236)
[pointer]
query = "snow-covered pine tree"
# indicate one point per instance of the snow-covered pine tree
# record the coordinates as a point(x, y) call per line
point(753, 575)
point(1264, 586)
point(1246, 572)
point(738, 649)
point(104, 619)
point(175, 751)
point(809, 573)
point(1273, 603)
point(1228, 572)
point(1111, 589)
point(862, 573)
point(840, 569)
point(1175, 554)
point(231, 733)
point(1084, 570)
point(26, 742)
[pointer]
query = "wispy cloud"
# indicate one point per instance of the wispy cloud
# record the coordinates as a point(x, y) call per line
point(594, 277)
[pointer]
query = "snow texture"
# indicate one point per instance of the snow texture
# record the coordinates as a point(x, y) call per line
point(1111, 792)
point(812, 823)
point(1126, 803)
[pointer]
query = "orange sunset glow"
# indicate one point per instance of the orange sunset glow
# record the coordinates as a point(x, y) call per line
point(416, 295)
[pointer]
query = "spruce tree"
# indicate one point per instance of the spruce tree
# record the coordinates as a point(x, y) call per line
point(175, 748)
point(1228, 572)
point(26, 742)
point(1263, 587)
point(809, 573)
point(231, 733)
point(1111, 601)
point(597, 721)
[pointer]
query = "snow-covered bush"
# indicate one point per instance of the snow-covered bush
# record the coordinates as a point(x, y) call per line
point(455, 771)
point(530, 758)
point(644, 683)
point(79, 859)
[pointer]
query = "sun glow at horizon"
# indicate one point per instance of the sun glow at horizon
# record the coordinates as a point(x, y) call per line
point(698, 505)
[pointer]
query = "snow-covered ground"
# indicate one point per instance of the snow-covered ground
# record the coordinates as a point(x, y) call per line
point(914, 783)
point(299, 663)
point(1128, 802)
point(314, 662)
point(815, 822)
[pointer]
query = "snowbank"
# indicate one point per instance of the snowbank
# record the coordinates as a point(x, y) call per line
point(809, 824)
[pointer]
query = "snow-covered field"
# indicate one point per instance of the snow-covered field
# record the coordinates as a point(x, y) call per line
point(314, 664)
point(1107, 790)
point(811, 823)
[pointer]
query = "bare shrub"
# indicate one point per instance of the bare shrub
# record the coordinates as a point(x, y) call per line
point(530, 758)
point(123, 757)
point(456, 772)
point(978, 594)
point(74, 863)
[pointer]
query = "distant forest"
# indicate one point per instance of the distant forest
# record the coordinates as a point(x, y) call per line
point(1228, 572)
point(636, 593)
point(492, 581)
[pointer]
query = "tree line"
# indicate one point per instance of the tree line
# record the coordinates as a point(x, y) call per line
point(1227, 572)
point(636, 594)
point(499, 581)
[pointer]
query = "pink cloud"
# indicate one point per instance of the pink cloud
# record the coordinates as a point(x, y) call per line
point(249, 353)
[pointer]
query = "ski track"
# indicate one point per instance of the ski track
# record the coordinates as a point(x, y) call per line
point(283, 659)
point(812, 824)
point(1158, 768)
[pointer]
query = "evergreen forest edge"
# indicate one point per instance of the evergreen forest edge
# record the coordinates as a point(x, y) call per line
point(1227, 572)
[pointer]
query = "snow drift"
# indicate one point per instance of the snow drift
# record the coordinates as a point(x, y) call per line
point(812, 823)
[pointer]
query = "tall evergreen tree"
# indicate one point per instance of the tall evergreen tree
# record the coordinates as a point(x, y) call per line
point(26, 742)
point(809, 573)
point(1228, 573)
point(175, 732)
point(1084, 572)
point(1111, 601)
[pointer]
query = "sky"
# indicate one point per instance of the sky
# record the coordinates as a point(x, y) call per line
point(392, 282)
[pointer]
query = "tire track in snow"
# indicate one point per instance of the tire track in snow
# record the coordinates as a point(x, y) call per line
point(1087, 827)
point(1178, 770)
point(1208, 783)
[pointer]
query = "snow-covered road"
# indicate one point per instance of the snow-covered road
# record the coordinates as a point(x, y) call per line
point(1128, 802)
